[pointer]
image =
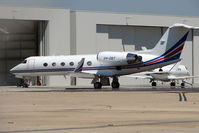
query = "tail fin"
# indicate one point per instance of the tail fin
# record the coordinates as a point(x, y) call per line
point(175, 67)
point(172, 42)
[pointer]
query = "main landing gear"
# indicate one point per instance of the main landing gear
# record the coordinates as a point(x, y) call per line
point(104, 81)
point(115, 84)
point(153, 83)
point(97, 85)
point(172, 84)
point(182, 84)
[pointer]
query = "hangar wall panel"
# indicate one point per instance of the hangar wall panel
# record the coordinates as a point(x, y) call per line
point(196, 55)
point(187, 54)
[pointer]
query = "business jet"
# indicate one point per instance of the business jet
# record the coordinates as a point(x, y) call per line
point(170, 73)
point(104, 65)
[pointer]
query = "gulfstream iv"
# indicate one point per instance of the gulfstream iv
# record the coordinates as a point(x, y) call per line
point(105, 65)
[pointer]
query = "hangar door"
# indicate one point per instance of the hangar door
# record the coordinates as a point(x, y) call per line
point(18, 40)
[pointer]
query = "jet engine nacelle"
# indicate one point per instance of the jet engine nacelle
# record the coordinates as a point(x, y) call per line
point(118, 58)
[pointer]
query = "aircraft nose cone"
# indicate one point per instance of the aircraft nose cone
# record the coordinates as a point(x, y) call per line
point(13, 69)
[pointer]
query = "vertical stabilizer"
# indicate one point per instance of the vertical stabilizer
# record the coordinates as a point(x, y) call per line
point(175, 67)
point(172, 42)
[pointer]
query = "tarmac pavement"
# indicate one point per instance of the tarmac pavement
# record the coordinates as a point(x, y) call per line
point(85, 110)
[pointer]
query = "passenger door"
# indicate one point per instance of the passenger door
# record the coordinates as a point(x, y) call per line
point(31, 64)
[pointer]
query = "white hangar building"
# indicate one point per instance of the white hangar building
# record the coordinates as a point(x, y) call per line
point(28, 32)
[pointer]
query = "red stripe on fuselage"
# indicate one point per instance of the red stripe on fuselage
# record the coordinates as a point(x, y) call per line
point(175, 51)
point(168, 55)
point(156, 60)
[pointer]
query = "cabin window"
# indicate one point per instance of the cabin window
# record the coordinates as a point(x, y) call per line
point(53, 64)
point(62, 64)
point(45, 64)
point(89, 63)
point(24, 62)
point(71, 63)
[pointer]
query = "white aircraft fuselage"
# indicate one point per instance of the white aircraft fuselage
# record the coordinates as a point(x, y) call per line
point(168, 74)
point(65, 65)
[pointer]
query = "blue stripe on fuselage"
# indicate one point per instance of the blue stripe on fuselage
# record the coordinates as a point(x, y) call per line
point(183, 39)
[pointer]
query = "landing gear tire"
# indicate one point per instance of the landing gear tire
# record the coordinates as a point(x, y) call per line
point(115, 85)
point(97, 85)
point(172, 84)
point(25, 85)
point(182, 84)
point(153, 84)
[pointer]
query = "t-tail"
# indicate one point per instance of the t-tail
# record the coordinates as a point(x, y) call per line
point(171, 44)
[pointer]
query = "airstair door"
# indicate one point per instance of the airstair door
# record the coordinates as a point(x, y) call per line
point(31, 64)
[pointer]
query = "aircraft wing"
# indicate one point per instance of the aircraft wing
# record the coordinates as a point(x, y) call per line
point(82, 75)
point(77, 72)
point(92, 74)
point(150, 75)
point(139, 76)
point(156, 73)
point(183, 77)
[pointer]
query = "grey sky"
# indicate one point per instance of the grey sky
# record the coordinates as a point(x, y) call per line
point(167, 7)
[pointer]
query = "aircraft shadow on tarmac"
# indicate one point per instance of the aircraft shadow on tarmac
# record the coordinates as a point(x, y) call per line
point(181, 92)
point(108, 89)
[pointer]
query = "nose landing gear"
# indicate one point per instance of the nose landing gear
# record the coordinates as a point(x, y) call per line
point(24, 83)
point(153, 83)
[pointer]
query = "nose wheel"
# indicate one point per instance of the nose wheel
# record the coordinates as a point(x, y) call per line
point(23, 83)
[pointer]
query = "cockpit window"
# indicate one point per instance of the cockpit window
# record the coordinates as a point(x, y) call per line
point(24, 62)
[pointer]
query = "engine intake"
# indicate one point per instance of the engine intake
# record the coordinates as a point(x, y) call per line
point(118, 58)
point(133, 58)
